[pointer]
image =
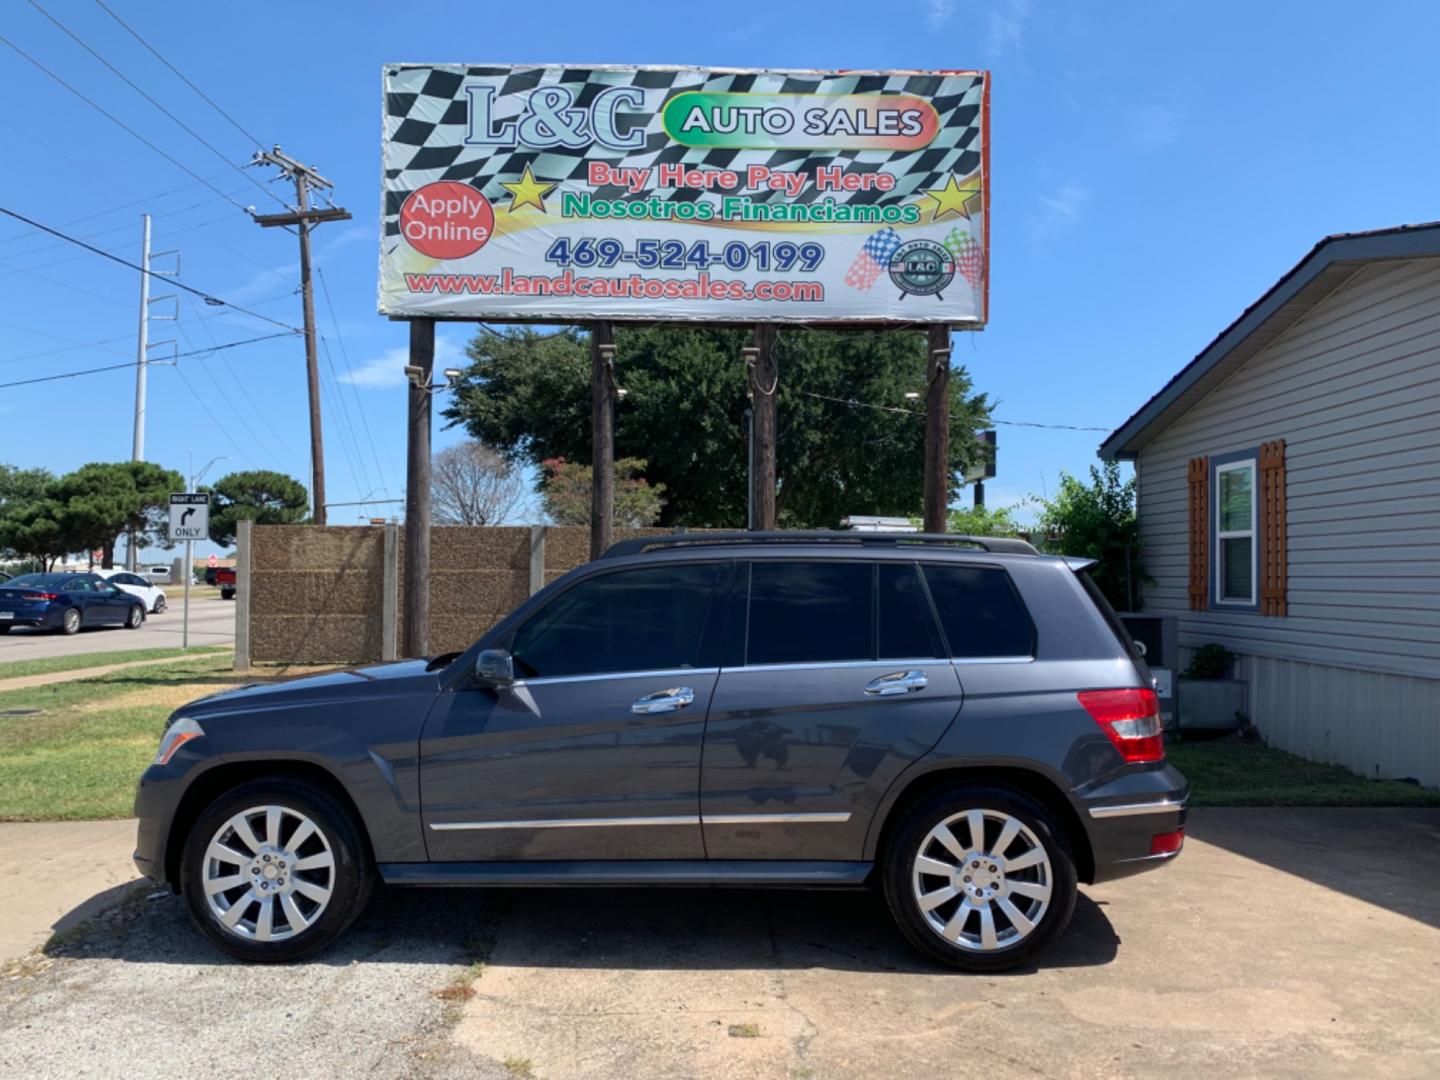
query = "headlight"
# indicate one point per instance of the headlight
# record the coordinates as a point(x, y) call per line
point(176, 736)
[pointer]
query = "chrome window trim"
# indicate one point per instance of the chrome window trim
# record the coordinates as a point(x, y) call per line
point(837, 665)
point(992, 660)
point(1162, 806)
point(820, 818)
point(655, 673)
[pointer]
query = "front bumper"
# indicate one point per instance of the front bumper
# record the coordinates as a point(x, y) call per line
point(1124, 816)
point(156, 800)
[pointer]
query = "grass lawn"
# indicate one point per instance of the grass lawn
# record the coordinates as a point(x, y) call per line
point(45, 665)
point(1232, 772)
point(80, 755)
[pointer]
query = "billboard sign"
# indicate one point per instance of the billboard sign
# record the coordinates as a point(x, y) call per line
point(542, 193)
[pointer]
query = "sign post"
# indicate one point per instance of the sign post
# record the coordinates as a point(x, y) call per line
point(189, 521)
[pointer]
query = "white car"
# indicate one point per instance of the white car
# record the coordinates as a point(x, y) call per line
point(135, 585)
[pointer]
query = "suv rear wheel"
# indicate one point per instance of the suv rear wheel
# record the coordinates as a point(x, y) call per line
point(980, 878)
point(274, 870)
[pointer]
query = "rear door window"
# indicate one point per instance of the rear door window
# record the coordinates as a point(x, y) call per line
point(907, 628)
point(981, 613)
point(809, 612)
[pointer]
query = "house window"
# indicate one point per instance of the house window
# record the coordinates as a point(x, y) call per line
point(1235, 544)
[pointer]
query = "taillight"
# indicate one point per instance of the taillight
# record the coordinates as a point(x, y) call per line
point(39, 596)
point(1130, 719)
point(1167, 843)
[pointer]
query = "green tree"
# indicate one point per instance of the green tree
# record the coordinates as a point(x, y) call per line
point(101, 500)
point(983, 521)
point(565, 490)
point(1097, 521)
point(528, 394)
point(261, 496)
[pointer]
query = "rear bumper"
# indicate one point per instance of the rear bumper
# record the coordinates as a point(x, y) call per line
point(51, 618)
point(1124, 817)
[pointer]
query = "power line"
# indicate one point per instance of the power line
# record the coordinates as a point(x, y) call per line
point(213, 418)
point(179, 75)
point(133, 86)
point(213, 301)
point(854, 404)
point(121, 123)
point(350, 373)
point(132, 363)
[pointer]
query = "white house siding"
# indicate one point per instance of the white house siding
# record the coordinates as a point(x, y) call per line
point(1354, 390)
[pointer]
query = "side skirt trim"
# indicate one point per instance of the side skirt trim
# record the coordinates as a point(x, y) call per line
point(649, 872)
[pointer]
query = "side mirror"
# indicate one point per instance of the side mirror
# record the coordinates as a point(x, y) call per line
point(495, 666)
point(1140, 648)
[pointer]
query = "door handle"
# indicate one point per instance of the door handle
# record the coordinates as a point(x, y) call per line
point(663, 701)
point(897, 682)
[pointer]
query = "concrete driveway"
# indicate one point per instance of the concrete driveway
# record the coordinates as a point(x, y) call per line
point(212, 622)
point(1282, 943)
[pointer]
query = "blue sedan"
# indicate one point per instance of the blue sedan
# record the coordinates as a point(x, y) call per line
point(66, 602)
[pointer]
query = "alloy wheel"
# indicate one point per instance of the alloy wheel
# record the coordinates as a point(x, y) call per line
point(137, 616)
point(268, 873)
point(159, 604)
point(982, 880)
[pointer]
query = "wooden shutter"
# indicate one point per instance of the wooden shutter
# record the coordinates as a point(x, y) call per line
point(1199, 533)
point(1274, 560)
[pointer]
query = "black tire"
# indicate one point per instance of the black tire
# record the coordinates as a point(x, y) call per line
point(4, 629)
point(899, 880)
point(135, 618)
point(159, 605)
point(352, 878)
point(70, 621)
point(227, 594)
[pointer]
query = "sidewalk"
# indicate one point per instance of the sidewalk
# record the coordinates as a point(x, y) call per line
point(55, 874)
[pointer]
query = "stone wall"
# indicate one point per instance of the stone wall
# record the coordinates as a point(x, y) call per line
point(318, 595)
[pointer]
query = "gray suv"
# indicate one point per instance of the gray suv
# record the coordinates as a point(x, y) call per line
point(960, 722)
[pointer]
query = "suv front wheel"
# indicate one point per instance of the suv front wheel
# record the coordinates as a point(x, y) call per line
point(980, 878)
point(274, 870)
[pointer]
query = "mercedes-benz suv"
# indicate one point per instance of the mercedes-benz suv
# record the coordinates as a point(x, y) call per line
point(960, 722)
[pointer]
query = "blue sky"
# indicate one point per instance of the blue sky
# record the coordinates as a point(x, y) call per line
point(1155, 167)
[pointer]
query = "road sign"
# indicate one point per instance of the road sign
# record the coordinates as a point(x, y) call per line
point(214, 559)
point(190, 516)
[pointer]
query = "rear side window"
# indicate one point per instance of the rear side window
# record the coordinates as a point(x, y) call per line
point(634, 620)
point(906, 627)
point(980, 611)
point(809, 613)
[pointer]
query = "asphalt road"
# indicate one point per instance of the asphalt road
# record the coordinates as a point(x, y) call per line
point(1282, 943)
point(212, 622)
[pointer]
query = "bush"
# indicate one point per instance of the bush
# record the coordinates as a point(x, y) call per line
point(1210, 661)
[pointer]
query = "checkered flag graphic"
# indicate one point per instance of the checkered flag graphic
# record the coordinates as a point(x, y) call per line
point(969, 256)
point(427, 122)
point(873, 260)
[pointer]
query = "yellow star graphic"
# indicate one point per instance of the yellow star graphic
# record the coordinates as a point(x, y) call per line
point(526, 192)
point(953, 197)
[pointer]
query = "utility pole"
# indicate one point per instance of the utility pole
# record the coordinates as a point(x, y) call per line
point(602, 437)
point(937, 429)
point(419, 374)
point(764, 378)
point(304, 218)
point(142, 359)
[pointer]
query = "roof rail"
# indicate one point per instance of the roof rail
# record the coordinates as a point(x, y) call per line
point(1003, 545)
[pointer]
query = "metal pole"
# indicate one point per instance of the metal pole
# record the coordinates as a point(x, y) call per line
point(417, 491)
point(750, 469)
point(189, 572)
point(137, 447)
point(764, 380)
point(602, 437)
point(937, 429)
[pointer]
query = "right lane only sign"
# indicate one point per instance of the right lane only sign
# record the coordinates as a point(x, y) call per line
point(190, 516)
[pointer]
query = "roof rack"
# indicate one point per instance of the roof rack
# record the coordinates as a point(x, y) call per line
point(1003, 545)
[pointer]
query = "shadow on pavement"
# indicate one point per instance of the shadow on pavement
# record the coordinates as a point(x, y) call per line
point(622, 929)
point(1389, 857)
